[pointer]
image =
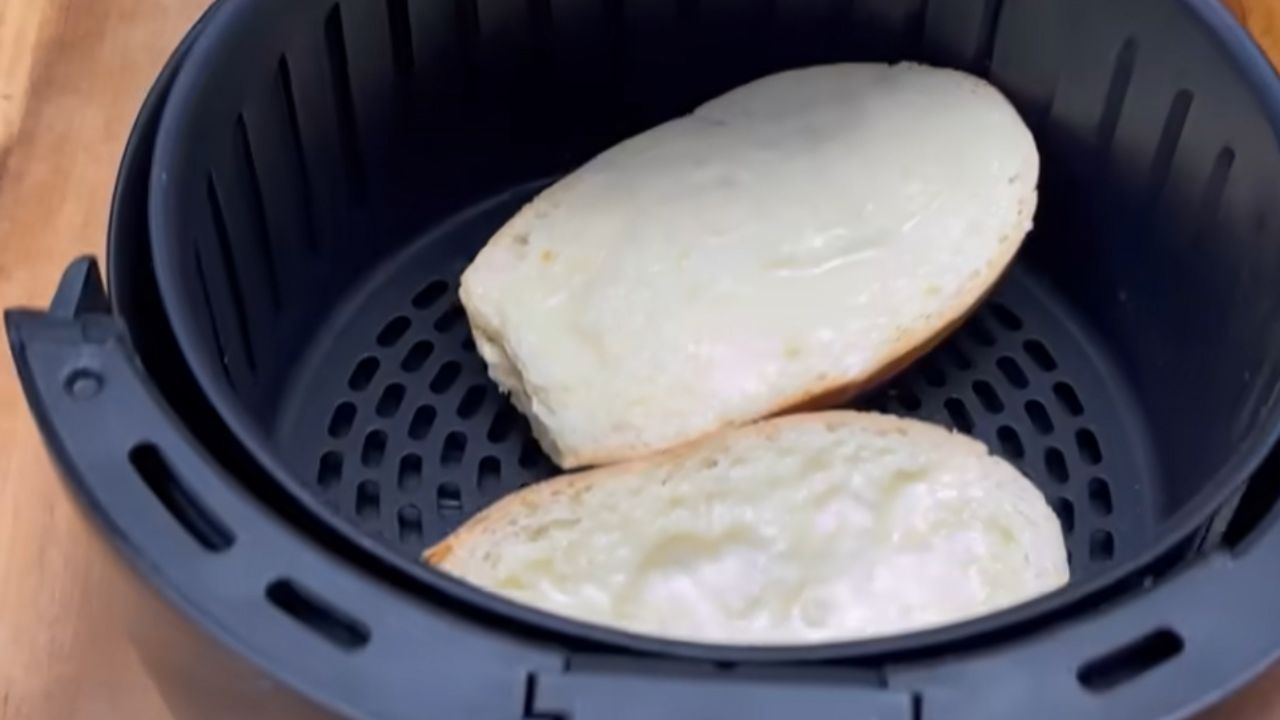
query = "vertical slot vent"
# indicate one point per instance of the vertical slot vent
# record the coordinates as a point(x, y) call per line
point(317, 615)
point(1170, 135)
point(915, 27)
point(402, 54)
point(218, 345)
point(985, 47)
point(340, 77)
point(284, 82)
point(258, 211)
point(1214, 187)
point(229, 268)
point(1129, 661)
point(201, 524)
point(1117, 92)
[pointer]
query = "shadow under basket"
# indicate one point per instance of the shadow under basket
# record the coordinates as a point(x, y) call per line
point(280, 404)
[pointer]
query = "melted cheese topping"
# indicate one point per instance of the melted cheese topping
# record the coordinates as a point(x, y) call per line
point(817, 534)
point(785, 235)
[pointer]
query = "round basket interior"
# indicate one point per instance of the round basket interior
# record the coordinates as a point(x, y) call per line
point(325, 171)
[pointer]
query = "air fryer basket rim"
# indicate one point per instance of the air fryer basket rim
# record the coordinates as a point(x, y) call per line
point(226, 14)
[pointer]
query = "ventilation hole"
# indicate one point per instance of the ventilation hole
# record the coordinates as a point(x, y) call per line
point(1055, 463)
point(218, 345)
point(451, 319)
point(421, 422)
point(1087, 444)
point(1038, 414)
point(445, 377)
point(988, 397)
point(285, 84)
point(409, 522)
point(472, 402)
point(1170, 135)
point(957, 357)
point(1130, 661)
point(449, 499)
point(343, 418)
point(401, 37)
point(985, 47)
point(417, 356)
point(1005, 317)
point(374, 450)
point(368, 500)
point(1117, 90)
point(233, 277)
point(1010, 443)
point(1066, 513)
point(1100, 497)
point(1012, 372)
point(340, 76)
point(906, 399)
point(409, 477)
point(390, 400)
point(363, 374)
point(932, 374)
point(503, 422)
point(1040, 355)
point(1214, 187)
point(530, 454)
point(981, 334)
point(1102, 546)
point(262, 231)
point(489, 475)
point(454, 449)
point(317, 615)
point(200, 523)
point(329, 474)
point(959, 414)
point(1068, 399)
point(430, 294)
point(394, 331)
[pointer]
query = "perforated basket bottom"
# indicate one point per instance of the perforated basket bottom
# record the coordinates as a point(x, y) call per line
point(392, 422)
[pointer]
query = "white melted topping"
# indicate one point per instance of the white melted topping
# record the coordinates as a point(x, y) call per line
point(807, 539)
point(782, 235)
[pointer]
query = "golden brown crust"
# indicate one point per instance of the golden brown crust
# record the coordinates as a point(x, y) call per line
point(518, 503)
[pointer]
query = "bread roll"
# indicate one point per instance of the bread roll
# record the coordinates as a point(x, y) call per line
point(786, 245)
point(804, 529)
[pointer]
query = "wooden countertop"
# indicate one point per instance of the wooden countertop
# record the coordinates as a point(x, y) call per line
point(72, 76)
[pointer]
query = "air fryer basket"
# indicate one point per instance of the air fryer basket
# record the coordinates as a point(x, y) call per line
point(308, 409)
point(323, 177)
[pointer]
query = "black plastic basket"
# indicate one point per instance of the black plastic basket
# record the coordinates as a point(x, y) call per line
point(280, 405)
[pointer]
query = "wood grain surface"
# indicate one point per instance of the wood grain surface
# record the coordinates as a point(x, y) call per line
point(61, 653)
point(72, 76)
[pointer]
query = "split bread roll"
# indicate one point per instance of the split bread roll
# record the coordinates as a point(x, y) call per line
point(811, 528)
point(785, 246)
